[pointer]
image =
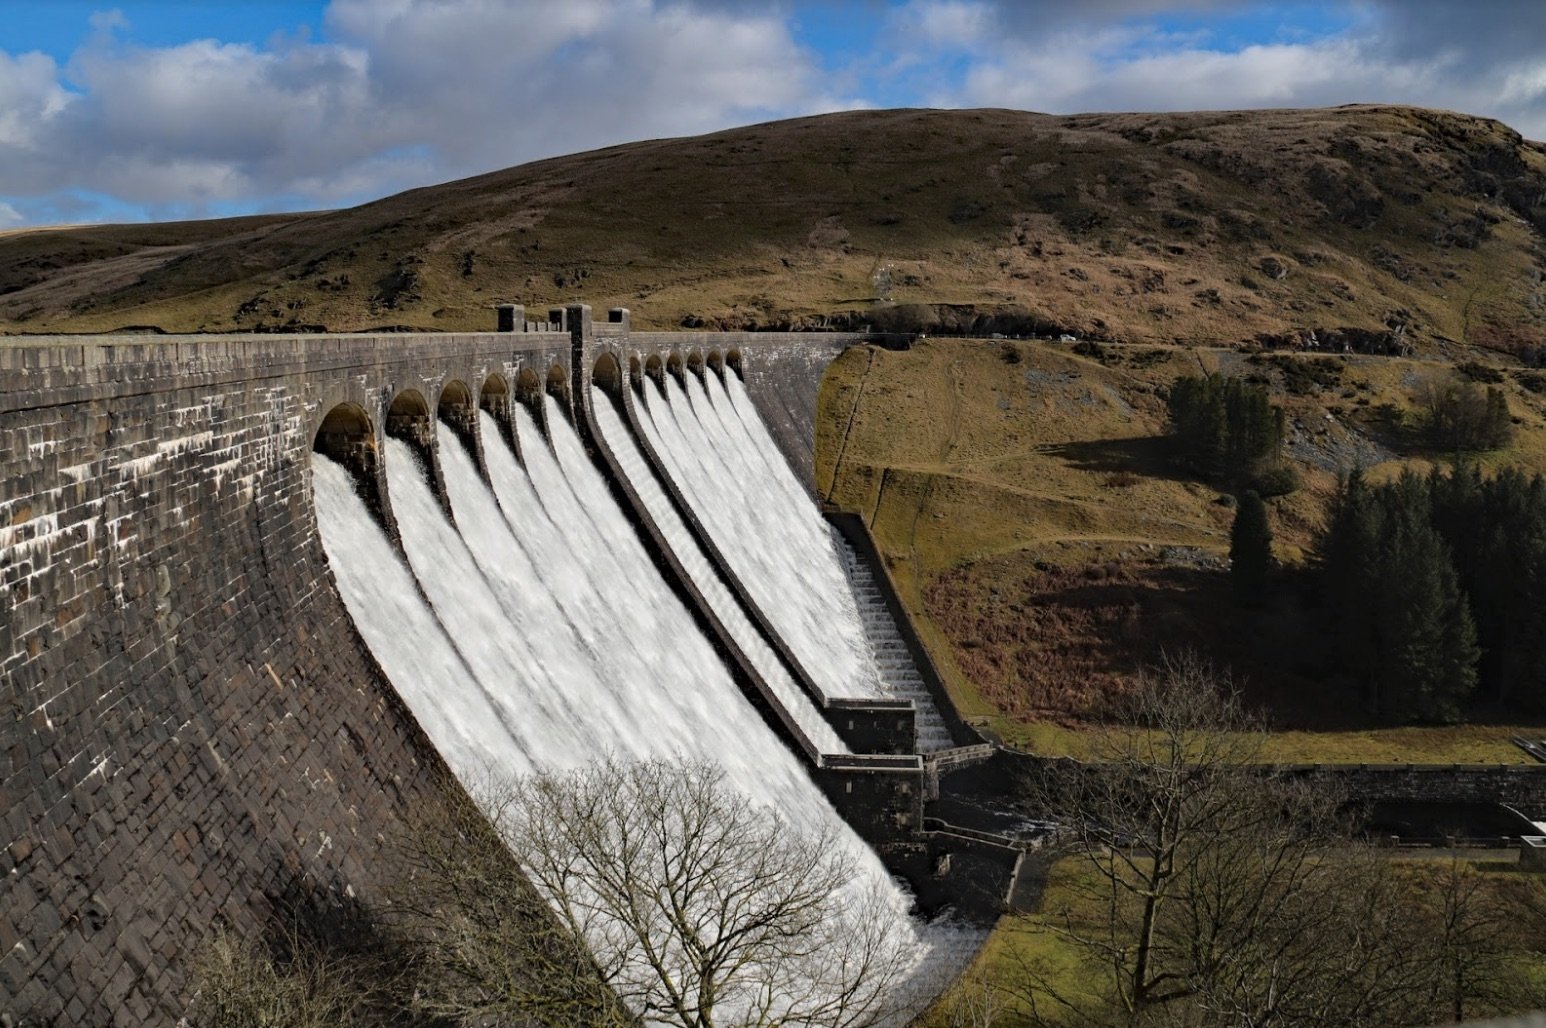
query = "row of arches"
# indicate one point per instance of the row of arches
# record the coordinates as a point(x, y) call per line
point(607, 372)
point(347, 427)
point(347, 432)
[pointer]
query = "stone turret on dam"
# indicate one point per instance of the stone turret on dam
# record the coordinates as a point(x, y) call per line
point(196, 730)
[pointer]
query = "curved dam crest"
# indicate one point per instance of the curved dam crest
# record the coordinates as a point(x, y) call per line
point(196, 731)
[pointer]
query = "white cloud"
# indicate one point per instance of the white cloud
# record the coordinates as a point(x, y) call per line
point(1117, 56)
point(107, 21)
point(406, 92)
point(10, 217)
point(946, 23)
point(30, 98)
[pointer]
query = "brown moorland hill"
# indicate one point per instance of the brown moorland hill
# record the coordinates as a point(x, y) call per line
point(1049, 547)
point(1201, 227)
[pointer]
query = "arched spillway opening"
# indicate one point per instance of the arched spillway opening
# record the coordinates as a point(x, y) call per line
point(409, 421)
point(557, 386)
point(733, 361)
point(494, 399)
point(494, 396)
point(348, 438)
point(528, 388)
point(456, 403)
point(674, 366)
point(606, 374)
point(655, 370)
point(459, 412)
point(530, 397)
point(695, 363)
point(716, 363)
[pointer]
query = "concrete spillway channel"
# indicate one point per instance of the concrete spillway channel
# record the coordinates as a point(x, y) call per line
point(897, 670)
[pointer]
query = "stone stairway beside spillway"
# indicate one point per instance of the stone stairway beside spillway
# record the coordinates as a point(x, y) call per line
point(897, 670)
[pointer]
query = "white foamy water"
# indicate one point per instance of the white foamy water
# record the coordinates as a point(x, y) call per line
point(424, 665)
point(550, 641)
point(724, 603)
point(771, 534)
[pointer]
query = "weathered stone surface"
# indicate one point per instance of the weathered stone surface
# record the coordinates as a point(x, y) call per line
point(190, 725)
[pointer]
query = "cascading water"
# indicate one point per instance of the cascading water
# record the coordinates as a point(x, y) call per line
point(898, 673)
point(550, 641)
point(774, 539)
point(425, 666)
point(698, 568)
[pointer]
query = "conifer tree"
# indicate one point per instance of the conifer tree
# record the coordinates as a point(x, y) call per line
point(1507, 588)
point(1427, 640)
point(1226, 427)
point(1346, 553)
point(1436, 589)
point(1250, 551)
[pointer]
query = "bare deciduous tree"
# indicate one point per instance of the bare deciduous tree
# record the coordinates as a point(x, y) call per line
point(489, 949)
point(1215, 892)
point(697, 906)
point(1474, 931)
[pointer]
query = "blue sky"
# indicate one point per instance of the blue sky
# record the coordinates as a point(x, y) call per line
point(178, 108)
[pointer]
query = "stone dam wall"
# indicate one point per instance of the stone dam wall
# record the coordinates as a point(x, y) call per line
point(192, 730)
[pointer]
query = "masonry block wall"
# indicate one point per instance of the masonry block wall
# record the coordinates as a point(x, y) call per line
point(1521, 786)
point(189, 724)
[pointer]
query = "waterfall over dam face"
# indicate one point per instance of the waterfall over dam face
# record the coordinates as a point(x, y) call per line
point(764, 530)
point(773, 538)
point(707, 579)
point(226, 688)
point(549, 639)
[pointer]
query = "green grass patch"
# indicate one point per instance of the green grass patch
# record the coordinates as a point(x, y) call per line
point(1421, 744)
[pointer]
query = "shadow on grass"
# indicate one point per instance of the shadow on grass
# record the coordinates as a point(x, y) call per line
point(1095, 627)
point(1144, 455)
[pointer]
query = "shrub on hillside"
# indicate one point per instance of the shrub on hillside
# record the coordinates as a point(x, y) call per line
point(1279, 480)
point(1464, 416)
point(1226, 428)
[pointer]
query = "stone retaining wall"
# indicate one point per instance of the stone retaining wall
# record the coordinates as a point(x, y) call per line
point(192, 727)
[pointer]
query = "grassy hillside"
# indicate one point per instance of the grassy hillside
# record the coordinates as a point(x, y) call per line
point(1020, 489)
point(1153, 228)
point(1027, 508)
